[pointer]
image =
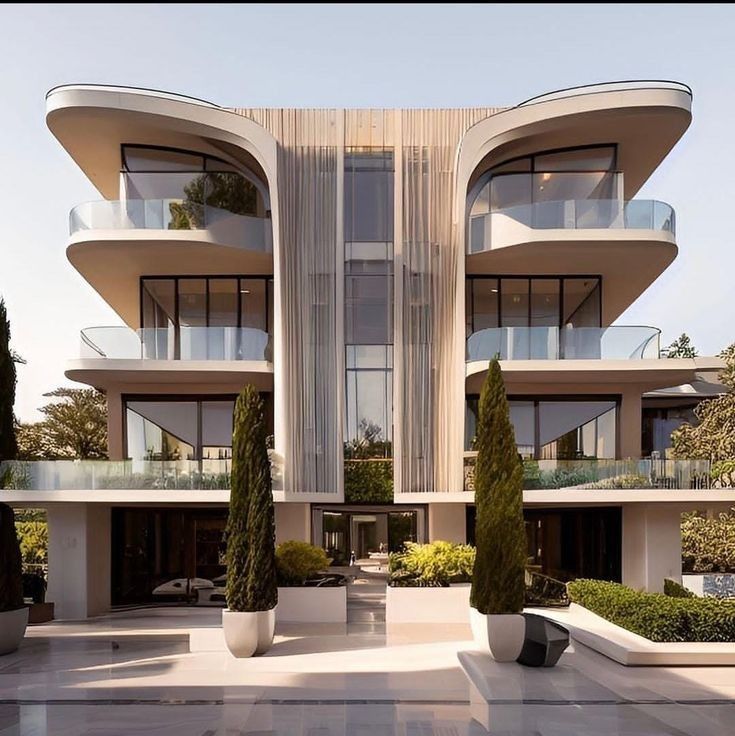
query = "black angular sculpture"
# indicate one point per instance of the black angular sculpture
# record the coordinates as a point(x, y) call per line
point(544, 643)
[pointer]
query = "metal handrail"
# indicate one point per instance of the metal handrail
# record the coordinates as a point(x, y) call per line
point(163, 92)
point(681, 86)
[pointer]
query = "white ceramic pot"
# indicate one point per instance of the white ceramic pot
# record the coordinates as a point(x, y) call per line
point(500, 634)
point(12, 629)
point(248, 634)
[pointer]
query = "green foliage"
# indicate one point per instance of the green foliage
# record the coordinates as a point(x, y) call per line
point(681, 348)
point(221, 190)
point(251, 531)
point(74, 428)
point(565, 476)
point(33, 539)
point(656, 616)
point(369, 481)
point(676, 590)
point(437, 564)
point(713, 438)
point(296, 562)
point(11, 581)
point(8, 379)
point(498, 578)
point(708, 544)
point(625, 481)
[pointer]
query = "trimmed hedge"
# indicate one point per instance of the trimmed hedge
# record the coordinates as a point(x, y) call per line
point(676, 590)
point(656, 616)
point(297, 561)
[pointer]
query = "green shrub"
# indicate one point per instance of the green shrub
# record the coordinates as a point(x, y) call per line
point(296, 562)
point(676, 590)
point(656, 616)
point(251, 530)
point(368, 480)
point(498, 581)
point(708, 545)
point(437, 564)
point(621, 482)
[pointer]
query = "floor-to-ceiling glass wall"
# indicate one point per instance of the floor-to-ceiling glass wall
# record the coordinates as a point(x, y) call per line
point(368, 297)
point(568, 543)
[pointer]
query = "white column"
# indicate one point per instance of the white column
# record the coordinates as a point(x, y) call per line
point(651, 545)
point(447, 522)
point(79, 560)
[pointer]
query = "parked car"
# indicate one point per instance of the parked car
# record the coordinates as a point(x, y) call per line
point(181, 588)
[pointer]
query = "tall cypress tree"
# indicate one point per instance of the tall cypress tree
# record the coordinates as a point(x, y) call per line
point(8, 445)
point(498, 578)
point(251, 529)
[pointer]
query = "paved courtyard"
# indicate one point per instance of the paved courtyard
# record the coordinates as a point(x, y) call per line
point(132, 673)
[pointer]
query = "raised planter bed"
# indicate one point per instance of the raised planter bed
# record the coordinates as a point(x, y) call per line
point(428, 605)
point(312, 605)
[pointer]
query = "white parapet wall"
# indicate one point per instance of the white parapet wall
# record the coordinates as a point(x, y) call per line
point(428, 605)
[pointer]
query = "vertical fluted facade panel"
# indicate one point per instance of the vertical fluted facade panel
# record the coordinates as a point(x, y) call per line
point(313, 384)
point(431, 380)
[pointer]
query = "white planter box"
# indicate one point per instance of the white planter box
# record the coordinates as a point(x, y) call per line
point(312, 605)
point(428, 605)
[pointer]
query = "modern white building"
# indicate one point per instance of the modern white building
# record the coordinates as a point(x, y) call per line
point(360, 268)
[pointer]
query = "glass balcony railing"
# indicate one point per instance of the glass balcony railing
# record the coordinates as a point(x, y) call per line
point(567, 343)
point(182, 343)
point(172, 214)
point(610, 474)
point(496, 228)
point(93, 475)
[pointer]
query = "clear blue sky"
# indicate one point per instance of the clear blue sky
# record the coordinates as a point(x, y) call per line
point(354, 56)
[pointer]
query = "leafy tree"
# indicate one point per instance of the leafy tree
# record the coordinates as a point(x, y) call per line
point(251, 531)
point(681, 348)
point(33, 537)
point(75, 427)
point(34, 442)
point(222, 190)
point(498, 581)
point(713, 438)
point(708, 544)
point(8, 379)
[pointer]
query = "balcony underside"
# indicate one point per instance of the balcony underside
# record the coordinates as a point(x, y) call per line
point(113, 261)
point(628, 261)
point(163, 375)
point(589, 376)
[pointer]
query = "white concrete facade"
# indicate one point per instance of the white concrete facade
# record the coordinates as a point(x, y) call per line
point(306, 259)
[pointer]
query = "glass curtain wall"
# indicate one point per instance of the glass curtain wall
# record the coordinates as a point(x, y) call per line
point(161, 428)
point(212, 318)
point(548, 190)
point(557, 429)
point(368, 296)
point(193, 187)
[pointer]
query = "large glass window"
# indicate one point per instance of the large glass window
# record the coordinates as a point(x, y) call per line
point(532, 302)
point(190, 429)
point(557, 429)
point(368, 296)
point(191, 180)
point(212, 318)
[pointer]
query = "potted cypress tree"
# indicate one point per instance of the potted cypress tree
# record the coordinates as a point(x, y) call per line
point(13, 612)
point(498, 583)
point(251, 591)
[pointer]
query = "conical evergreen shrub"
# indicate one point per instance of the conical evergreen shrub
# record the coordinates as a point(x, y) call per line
point(251, 530)
point(498, 581)
point(11, 579)
point(8, 446)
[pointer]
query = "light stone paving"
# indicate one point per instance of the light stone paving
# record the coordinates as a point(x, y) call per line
point(132, 673)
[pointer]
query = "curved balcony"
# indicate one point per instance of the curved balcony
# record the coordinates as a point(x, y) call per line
point(184, 343)
point(566, 343)
point(174, 215)
point(620, 86)
point(507, 226)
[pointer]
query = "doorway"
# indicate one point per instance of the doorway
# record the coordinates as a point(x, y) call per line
point(342, 530)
